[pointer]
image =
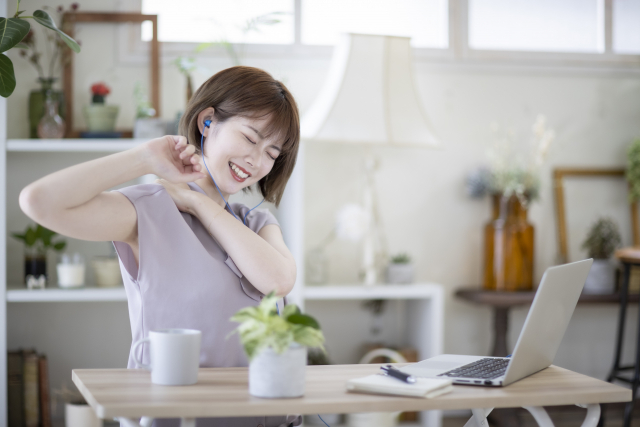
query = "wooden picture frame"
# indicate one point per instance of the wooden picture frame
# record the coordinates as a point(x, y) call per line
point(69, 19)
point(558, 188)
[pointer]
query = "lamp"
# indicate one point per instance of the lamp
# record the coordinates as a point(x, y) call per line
point(369, 98)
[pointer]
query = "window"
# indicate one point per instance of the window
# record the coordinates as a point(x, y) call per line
point(537, 25)
point(626, 26)
point(218, 20)
point(425, 21)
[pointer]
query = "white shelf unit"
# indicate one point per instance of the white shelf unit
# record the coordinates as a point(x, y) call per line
point(15, 294)
point(72, 145)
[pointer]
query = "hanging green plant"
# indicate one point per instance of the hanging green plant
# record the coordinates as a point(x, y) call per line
point(12, 31)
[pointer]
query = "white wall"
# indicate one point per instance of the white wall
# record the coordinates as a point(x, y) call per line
point(421, 193)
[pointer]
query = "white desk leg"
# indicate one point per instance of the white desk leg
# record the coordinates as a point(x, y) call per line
point(540, 415)
point(479, 418)
point(187, 422)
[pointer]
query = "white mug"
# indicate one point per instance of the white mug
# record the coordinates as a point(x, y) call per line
point(174, 356)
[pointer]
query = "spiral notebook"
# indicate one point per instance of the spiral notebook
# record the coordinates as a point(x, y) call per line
point(383, 384)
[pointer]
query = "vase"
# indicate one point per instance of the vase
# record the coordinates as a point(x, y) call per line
point(274, 375)
point(35, 264)
point(37, 103)
point(509, 244)
point(400, 273)
point(106, 270)
point(51, 125)
point(101, 118)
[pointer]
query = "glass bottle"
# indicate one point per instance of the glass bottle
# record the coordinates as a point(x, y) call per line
point(51, 125)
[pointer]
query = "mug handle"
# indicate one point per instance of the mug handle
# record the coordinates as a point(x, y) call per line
point(139, 364)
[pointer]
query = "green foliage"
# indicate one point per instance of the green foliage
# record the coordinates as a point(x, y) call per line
point(144, 108)
point(261, 327)
point(12, 31)
point(401, 258)
point(41, 238)
point(633, 170)
point(603, 238)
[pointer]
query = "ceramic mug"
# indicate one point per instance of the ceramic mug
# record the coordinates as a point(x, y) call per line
point(174, 356)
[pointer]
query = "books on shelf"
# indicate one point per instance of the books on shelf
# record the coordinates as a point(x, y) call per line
point(28, 389)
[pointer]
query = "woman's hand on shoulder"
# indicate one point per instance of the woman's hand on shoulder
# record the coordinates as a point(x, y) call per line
point(181, 194)
point(172, 158)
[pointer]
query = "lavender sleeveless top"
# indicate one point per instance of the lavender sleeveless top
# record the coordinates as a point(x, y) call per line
point(186, 280)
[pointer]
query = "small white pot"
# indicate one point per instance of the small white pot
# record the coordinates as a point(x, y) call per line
point(107, 272)
point(70, 275)
point(601, 278)
point(274, 375)
point(80, 415)
point(151, 127)
point(400, 273)
point(371, 419)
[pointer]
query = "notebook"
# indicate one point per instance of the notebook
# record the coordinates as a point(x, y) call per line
point(383, 384)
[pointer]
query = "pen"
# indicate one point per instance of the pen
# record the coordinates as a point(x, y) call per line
point(395, 373)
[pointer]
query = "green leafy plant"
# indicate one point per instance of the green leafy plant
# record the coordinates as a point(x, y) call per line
point(633, 170)
point(143, 106)
point(401, 258)
point(603, 238)
point(40, 239)
point(261, 327)
point(12, 32)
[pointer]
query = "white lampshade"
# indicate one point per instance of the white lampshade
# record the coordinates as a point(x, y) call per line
point(369, 96)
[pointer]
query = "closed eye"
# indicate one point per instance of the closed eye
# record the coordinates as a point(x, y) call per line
point(249, 140)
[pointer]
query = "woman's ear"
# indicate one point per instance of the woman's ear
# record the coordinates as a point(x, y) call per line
point(206, 114)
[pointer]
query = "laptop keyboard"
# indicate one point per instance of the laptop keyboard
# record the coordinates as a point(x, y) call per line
point(484, 368)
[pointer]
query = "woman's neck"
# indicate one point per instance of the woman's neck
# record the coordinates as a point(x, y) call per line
point(211, 191)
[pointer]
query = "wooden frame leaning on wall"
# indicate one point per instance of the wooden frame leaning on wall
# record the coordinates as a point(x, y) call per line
point(69, 19)
point(558, 188)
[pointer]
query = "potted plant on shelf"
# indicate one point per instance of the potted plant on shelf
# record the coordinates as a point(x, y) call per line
point(400, 269)
point(37, 241)
point(601, 241)
point(100, 117)
point(633, 170)
point(276, 346)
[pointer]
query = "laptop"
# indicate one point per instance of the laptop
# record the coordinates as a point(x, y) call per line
point(539, 339)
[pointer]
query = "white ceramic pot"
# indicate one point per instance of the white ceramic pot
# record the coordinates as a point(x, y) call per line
point(80, 415)
point(400, 273)
point(274, 375)
point(107, 272)
point(151, 127)
point(601, 278)
point(70, 275)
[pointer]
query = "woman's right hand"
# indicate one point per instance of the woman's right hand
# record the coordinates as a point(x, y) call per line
point(173, 159)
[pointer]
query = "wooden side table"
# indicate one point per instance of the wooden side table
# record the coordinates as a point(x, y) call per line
point(501, 302)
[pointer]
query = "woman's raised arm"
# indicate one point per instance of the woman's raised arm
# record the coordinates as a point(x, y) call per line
point(74, 201)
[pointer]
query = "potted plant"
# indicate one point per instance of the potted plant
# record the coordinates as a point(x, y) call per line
point(37, 240)
point(400, 269)
point(100, 117)
point(276, 346)
point(146, 126)
point(601, 241)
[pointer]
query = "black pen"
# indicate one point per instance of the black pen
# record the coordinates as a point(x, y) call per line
point(395, 373)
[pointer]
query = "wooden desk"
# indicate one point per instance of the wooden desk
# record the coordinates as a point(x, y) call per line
point(501, 302)
point(223, 392)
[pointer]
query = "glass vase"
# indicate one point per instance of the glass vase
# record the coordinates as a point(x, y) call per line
point(509, 245)
point(51, 125)
point(37, 103)
point(35, 263)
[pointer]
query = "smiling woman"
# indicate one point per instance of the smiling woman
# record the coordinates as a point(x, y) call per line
point(185, 257)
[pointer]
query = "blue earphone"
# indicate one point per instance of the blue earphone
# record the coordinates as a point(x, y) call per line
point(207, 123)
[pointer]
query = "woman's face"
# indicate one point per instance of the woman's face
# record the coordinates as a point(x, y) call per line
point(237, 154)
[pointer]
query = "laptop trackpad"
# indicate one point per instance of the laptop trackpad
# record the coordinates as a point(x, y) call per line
point(438, 365)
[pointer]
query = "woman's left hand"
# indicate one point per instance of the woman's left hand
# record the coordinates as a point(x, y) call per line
point(181, 194)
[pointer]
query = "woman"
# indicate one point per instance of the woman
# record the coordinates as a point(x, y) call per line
point(187, 258)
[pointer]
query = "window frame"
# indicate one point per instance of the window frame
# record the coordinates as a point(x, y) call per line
point(131, 48)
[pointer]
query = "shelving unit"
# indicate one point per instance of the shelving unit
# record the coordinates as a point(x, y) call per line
point(72, 145)
point(16, 294)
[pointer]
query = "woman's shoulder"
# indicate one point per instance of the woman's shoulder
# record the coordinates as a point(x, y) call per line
point(256, 219)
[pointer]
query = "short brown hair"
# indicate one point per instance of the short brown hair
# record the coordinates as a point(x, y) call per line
point(250, 92)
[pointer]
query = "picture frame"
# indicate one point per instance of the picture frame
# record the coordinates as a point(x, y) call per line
point(559, 175)
point(70, 19)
